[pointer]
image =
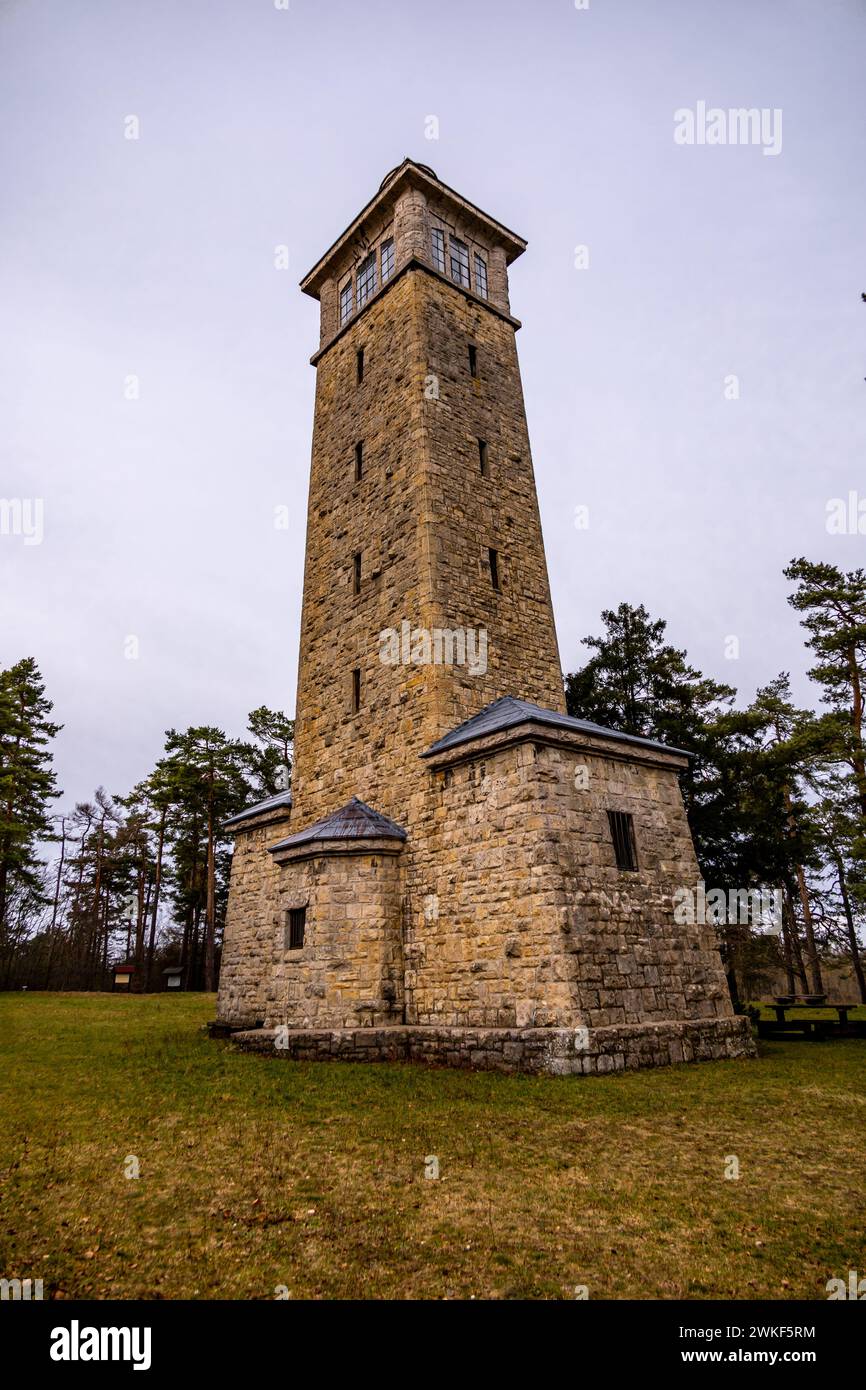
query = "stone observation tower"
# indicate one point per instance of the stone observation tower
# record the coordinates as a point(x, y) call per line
point(463, 872)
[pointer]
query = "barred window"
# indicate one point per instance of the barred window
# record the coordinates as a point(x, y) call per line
point(622, 834)
point(295, 921)
point(345, 302)
point(480, 276)
point(459, 262)
point(366, 281)
point(387, 259)
point(439, 249)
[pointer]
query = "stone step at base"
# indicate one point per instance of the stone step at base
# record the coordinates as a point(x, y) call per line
point(555, 1051)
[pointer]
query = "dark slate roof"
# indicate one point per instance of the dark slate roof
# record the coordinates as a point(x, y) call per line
point(270, 803)
point(508, 713)
point(354, 821)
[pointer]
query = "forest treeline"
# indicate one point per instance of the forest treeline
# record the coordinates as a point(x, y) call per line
point(141, 876)
point(775, 796)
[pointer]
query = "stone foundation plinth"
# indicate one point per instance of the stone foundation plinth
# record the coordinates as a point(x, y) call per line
point(556, 1051)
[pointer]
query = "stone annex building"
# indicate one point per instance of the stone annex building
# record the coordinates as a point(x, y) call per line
point(462, 873)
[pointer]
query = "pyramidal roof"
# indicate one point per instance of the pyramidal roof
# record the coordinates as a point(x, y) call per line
point(509, 712)
point(270, 803)
point(354, 821)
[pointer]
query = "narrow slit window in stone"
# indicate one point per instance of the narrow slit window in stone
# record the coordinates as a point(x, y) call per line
point(622, 834)
point(295, 921)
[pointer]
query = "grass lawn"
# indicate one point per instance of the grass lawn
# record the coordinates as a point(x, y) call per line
point(256, 1173)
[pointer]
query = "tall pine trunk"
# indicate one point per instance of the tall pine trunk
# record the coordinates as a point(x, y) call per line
point(53, 938)
point(210, 914)
point(809, 928)
point(853, 943)
point(138, 978)
point(789, 927)
point(157, 883)
point(857, 758)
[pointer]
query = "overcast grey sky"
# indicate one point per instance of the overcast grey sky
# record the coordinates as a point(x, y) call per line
point(261, 126)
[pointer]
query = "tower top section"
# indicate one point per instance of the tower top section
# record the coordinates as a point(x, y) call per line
point(414, 220)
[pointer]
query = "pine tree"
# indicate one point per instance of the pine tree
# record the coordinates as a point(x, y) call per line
point(210, 779)
point(780, 825)
point(272, 763)
point(27, 784)
point(838, 833)
point(833, 605)
point(97, 884)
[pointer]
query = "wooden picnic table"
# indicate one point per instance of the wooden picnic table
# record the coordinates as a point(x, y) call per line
point(842, 1010)
point(807, 1023)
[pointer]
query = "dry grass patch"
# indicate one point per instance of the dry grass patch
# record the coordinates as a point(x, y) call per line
point(258, 1173)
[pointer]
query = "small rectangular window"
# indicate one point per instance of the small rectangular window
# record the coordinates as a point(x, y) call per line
point(346, 302)
point(482, 458)
point(387, 259)
point(356, 690)
point(459, 261)
point(356, 572)
point(365, 283)
point(622, 834)
point(295, 922)
point(438, 247)
point(473, 360)
point(359, 461)
point(480, 276)
point(493, 556)
point(359, 364)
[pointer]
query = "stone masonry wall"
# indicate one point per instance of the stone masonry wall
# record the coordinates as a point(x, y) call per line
point(422, 519)
point(247, 944)
point(506, 908)
point(339, 753)
point(481, 950)
point(519, 915)
point(629, 961)
point(471, 513)
point(350, 968)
